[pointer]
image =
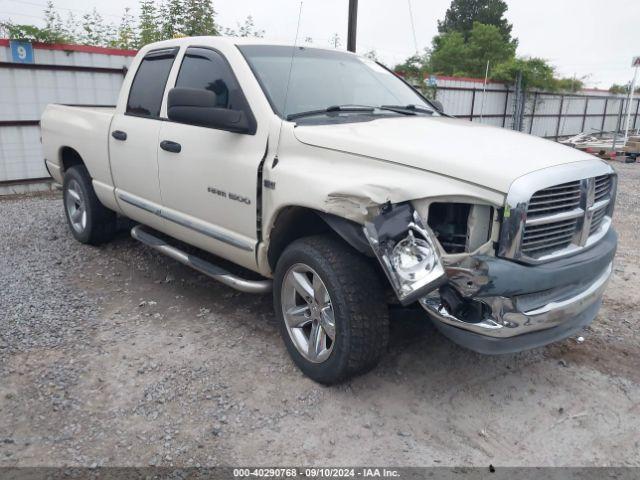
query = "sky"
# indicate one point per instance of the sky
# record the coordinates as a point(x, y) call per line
point(591, 39)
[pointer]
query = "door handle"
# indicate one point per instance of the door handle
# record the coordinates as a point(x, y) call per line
point(119, 135)
point(170, 146)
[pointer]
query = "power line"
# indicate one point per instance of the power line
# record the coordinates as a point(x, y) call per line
point(21, 14)
point(29, 3)
point(34, 4)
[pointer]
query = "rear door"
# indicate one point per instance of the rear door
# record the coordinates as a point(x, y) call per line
point(133, 139)
point(209, 188)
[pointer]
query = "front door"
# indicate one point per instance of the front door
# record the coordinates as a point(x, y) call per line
point(209, 188)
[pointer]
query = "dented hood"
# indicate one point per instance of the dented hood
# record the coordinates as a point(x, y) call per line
point(487, 156)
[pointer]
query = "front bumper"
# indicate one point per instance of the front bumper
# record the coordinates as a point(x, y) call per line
point(547, 305)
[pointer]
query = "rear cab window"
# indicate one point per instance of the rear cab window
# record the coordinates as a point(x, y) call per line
point(147, 88)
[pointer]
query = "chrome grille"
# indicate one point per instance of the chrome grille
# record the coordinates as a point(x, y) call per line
point(540, 239)
point(561, 198)
point(603, 187)
point(552, 221)
point(596, 221)
point(549, 234)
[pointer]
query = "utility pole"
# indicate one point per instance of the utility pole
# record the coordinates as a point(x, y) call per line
point(353, 23)
point(484, 90)
point(632, 87)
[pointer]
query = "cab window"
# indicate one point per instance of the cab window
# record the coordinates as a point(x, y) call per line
point(147, 89)
point(206, 69)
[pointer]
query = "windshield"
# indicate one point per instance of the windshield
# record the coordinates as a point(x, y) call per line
point(325, 78)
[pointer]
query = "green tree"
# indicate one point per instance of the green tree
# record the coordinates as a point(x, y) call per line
point(126, 36)
point(452, 55)
point(449, 55)
point(27, 32)
point(148, 29)
point(486, 44)
point(246, 29)
point(618, 89)
point(54, 25)
point(95, 31)
point(199, 18)
point(622, 89)
point(414, 67)
point(71, 28)
point(473, 33)
point(569, 84)
point(536, 73)
point(462, 14)
point(52, 32)
point(171, 19)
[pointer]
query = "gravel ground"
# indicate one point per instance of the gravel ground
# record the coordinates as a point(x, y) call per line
point(119, 356)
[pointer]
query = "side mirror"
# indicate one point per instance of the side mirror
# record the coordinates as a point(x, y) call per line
point(198, 107)
point(438, 105)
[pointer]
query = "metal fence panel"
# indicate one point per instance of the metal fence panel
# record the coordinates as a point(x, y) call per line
point(68, 74)
point(90, 75)
point(20, 153)
point(546, 114)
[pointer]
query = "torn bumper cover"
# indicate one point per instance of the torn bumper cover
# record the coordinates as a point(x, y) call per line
point(514, 307)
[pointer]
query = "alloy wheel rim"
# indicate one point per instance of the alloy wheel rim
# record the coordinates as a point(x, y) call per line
point(76, 206)
point(308, 313)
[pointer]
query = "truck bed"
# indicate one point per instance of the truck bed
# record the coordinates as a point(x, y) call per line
point(84, 129)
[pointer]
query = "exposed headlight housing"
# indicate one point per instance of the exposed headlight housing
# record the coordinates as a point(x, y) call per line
point(413, 258)
point(406, 251)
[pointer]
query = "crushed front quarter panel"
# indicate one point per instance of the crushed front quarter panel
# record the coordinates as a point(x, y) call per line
point(349, 186)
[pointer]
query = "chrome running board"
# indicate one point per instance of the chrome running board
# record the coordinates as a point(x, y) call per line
point(202, 266)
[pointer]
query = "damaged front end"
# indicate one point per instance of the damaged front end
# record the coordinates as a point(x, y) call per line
point(443, 254)
point(423, 247)
point(492, 305)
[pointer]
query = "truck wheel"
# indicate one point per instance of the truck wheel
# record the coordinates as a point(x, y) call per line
point(89, 221)
point(331, 308)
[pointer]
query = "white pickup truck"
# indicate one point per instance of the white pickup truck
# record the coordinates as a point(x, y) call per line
point(345, 191)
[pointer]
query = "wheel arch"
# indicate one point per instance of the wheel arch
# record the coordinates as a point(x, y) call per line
point(294, 222)
point(69, 157)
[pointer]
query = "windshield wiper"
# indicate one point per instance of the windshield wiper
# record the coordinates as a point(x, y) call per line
point(407, 109)
point(331, 109)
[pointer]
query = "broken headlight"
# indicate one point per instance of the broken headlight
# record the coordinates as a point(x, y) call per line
point(406, 251)
point(413, 258)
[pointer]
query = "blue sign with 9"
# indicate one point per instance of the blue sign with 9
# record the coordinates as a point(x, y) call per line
point(21, 52)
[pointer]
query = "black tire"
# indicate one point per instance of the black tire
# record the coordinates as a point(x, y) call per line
point(359, 308)
point(100, 224)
